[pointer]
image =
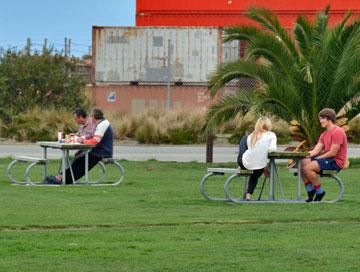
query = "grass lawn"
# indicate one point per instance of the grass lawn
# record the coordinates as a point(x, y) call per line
point(157, 220)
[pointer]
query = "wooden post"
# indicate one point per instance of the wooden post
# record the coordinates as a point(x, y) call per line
point(209, 149)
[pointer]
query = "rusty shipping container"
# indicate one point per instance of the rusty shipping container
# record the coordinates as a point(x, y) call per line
point(141, 54)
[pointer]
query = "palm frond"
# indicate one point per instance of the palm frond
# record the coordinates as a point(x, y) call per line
point(241, 33)
point(236, 69)
point(227, 108)
point(270, 22)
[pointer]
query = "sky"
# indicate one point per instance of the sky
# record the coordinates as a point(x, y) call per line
point(55, 20)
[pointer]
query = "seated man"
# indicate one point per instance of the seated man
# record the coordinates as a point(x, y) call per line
point(87, 126)
point(86, 129)
point(328, 154)
point(103, 148)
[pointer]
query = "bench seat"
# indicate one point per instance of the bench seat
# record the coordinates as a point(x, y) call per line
point(222, 171)
point(31, 159)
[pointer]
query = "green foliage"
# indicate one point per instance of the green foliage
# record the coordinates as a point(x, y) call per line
point(39, 124)
point(354, 130)
point(154, 126)
point(184, 136)
point(46, 80)
point(297, 74)
point(150, 132)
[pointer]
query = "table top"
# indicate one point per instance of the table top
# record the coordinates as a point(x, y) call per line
point(288, 155)
point(66, 146)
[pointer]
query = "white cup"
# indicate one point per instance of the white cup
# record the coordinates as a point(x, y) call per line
point(60, 136)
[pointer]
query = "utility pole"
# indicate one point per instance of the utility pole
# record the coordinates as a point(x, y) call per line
point(65, 47)
point(28, 46)
point(45, 46)
point(67, 51)
point(168, 91)
point(69, 47)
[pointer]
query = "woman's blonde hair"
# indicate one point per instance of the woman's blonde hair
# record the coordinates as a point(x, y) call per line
point(262, 125)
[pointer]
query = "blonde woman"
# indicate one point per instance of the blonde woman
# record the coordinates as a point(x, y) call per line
point(254, 149)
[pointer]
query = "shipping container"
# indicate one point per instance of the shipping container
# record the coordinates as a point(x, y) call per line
point(148, 54)
point(232, 12)
point(242, 5)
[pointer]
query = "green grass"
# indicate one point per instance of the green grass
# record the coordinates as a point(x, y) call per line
point(157, 220)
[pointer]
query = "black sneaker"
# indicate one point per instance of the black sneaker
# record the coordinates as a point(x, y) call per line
point(311, 195)
point(51, 180)
point(318, 197)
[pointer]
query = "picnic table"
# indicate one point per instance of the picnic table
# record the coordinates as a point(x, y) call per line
point(65, 149)
point(273, 178)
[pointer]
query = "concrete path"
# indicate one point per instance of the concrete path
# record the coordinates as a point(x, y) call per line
point(145, 152)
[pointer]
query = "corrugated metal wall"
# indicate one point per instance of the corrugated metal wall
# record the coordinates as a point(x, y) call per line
point(128, 54)
point(241, 5)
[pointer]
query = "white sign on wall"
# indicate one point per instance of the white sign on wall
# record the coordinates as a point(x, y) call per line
point(111, 97)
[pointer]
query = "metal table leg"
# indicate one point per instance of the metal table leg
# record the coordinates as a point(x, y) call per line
point(298, 166)
point(63, 166)
point(46, 162)
point(87, 166)
point(272, 177)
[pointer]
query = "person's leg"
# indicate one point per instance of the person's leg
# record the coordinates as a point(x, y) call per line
point(324, 164)
point(78, 167)
point(310, 172)
point(304, 165)
point(254, 180)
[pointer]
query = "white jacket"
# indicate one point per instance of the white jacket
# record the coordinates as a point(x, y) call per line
point(256, 157)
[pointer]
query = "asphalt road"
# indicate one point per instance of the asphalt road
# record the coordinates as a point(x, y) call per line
point(144, 152)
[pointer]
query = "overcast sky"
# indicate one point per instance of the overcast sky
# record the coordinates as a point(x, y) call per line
point(55, 20)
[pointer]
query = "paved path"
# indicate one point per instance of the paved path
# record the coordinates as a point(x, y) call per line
point(144, 152)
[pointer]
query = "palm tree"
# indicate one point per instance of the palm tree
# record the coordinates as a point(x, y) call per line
point(297, 74)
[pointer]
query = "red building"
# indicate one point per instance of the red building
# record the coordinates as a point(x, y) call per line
point(136, 95)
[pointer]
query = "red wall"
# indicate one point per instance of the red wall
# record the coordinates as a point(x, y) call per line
point(184, 96)
point(231, 12)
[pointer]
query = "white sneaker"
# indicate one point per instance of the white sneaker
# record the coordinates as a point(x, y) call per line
point(248, 197)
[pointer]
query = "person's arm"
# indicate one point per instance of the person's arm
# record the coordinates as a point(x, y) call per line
point(334, 149)
point(273, 144)
point(99, 133)
point(337, 139)
point(317, 149)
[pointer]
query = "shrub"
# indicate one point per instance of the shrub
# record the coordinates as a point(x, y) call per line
point(45, 80)
point(354, 130)
point(184, 126)
point(150, 131)
point(281, 129)
point(243, 125)
point(38, 125)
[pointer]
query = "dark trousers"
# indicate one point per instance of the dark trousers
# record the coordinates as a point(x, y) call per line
point(78, 167)
point(254, 177)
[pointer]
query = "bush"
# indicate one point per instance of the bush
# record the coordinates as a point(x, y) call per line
point(184, 126)
point(45, 80)
point(354, 130)
point(154, 126)
point(39, 125)
point(150, 131)
point(281, 129)
point(243, 125)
